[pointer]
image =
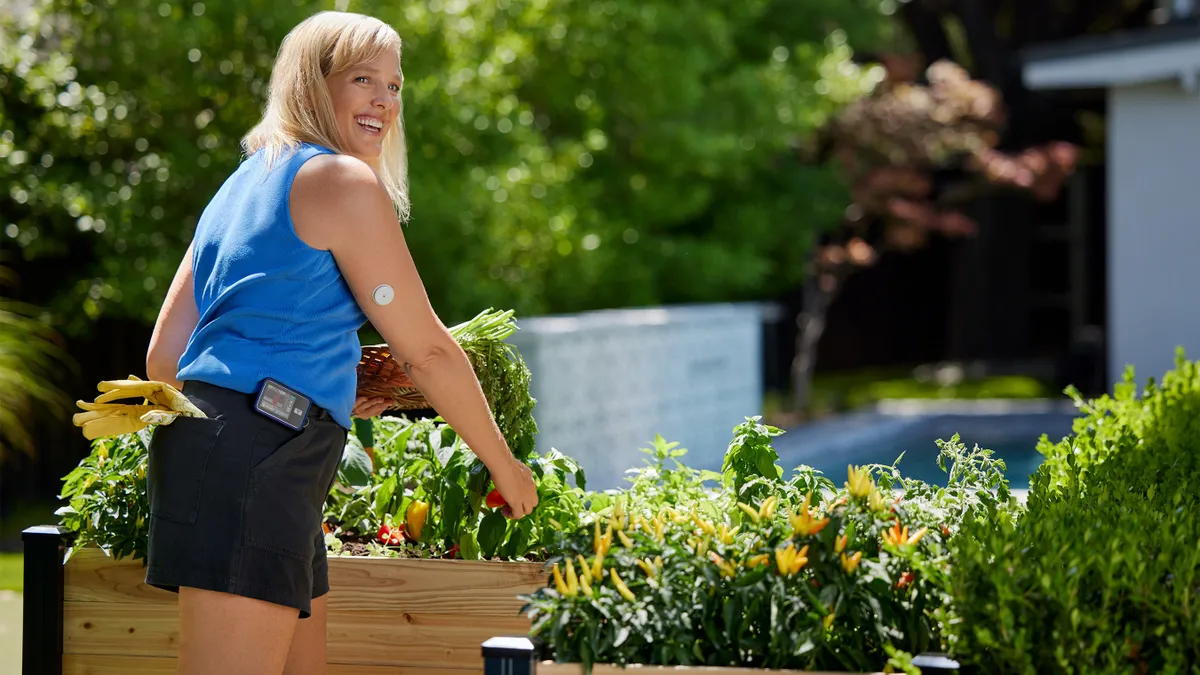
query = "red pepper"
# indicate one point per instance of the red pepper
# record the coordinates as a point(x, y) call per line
point(453, 552)
point(495, 500)
point(391, 535)
point(905, 579)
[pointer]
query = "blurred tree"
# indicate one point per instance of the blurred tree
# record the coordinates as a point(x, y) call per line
point(32, 366)
point(564, 154)
point(926, 143)
point(916, 155)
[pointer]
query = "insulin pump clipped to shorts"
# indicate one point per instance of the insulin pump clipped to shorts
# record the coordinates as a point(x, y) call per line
point(236, 499)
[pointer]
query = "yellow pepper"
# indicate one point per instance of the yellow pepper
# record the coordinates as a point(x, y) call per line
point(702, 526)
point(767, 510)
point(647, 567)
point(840, 544)
point(828, 621)
point(598, 569)
point(727, 570)
point(875, 500)
point(789, 560)
point(860, 482)
point(851, 563)
point(898, 536)
point(414, 518)
point(803, 523)
point(560, 584)
point(601, 543)
point(749, 511)
point(755, 561)
point(585, 570)
point(572, 580)
point(625, 540)
point(621, 587)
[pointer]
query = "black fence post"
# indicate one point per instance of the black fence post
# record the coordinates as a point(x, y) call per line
point(509, 656)
point(933, 663)
point(42, 623)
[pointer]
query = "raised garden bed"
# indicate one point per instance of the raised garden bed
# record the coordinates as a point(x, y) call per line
point(519, 656)
point(399, 616)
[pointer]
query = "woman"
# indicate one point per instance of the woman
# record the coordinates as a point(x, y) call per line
point(298, 248)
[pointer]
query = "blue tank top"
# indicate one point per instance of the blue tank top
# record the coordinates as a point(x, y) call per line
point(270, 305)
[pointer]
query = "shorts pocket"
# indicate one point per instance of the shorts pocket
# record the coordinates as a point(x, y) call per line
point(179, 454)
point(287, 491)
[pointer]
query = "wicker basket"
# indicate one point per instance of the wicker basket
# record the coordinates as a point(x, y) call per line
point(380, 375)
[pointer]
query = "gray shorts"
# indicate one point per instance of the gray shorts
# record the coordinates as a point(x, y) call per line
point(236, 500)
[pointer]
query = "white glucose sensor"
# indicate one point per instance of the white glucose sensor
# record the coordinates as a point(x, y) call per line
point(383, 294)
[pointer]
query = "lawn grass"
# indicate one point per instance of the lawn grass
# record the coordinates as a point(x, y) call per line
point(10, 633)
point(834, 393)
point(12, 572)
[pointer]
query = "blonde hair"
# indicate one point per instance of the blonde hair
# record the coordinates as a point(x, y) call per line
point(299, 107)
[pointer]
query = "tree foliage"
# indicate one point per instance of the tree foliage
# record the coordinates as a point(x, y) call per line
point(564, 154)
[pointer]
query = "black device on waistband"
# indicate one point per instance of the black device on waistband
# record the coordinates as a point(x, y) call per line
point(284, 405)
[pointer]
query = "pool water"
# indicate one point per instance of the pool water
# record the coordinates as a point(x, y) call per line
point(879, 437)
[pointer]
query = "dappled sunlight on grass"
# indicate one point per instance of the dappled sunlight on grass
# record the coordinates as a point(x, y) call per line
point(10, 632)
point(11, 571)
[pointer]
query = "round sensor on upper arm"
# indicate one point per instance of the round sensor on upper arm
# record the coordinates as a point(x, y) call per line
point(383, 294)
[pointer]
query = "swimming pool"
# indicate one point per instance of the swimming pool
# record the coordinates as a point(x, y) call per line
point(1010, 428)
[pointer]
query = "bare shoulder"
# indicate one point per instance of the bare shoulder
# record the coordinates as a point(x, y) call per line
point(330, 191)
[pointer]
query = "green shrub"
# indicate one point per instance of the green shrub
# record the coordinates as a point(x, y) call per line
point(1100, 575)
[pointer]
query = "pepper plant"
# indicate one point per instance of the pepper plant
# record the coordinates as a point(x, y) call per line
point(682, 569)
point(426, 494)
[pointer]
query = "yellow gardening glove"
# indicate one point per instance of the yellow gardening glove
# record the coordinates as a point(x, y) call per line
point(155, 392)
point(162, 404)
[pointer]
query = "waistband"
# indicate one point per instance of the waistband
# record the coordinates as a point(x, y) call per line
point(217, 396)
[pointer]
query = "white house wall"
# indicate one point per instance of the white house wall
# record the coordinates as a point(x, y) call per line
point(1154, 227)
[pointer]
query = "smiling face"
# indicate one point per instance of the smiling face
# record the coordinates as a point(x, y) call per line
point(366, 104)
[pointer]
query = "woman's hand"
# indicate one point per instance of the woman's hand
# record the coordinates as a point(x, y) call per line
point(514, 480)
point(366, 407)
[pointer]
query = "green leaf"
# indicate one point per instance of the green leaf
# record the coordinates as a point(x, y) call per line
point(518, 542)
point(491, 532)
point(383, 498)
point(454, 502)
point(355, 469)
point(468, 546)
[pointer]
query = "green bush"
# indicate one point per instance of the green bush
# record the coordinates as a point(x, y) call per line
point(1100, 574)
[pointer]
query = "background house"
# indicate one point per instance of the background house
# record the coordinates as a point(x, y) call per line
point(1151, 80)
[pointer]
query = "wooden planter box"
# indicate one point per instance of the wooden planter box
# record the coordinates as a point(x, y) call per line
point(519, 656)
point(96, 616)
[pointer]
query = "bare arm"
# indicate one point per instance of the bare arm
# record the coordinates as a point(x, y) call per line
point(339, 204)
point(176, 321)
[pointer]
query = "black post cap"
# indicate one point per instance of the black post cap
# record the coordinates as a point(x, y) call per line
point(510, 656)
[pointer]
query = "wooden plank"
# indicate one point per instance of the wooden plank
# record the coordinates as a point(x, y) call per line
point(381, 638)
point(483, 589)
point(473, 589)
point(550, 668)
point(365, 636)
point(92, 576)
point(92, 664)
